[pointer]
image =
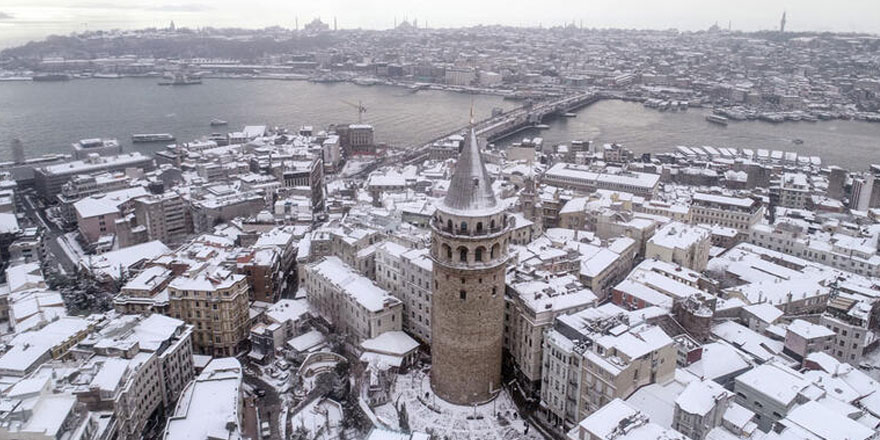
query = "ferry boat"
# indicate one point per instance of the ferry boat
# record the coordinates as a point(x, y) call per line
point(180, 79)
point(152, 137)
point(715, 119)
point(218, 122)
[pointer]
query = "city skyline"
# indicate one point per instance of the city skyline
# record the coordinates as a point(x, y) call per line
point(22, 21)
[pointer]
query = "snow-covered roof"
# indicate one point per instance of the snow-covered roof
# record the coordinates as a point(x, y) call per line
point(209, 405)
point(360, 288)
point(700, 396)
point(470, 190)
point(392, 342)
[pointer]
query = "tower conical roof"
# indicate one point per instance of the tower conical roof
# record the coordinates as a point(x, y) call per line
point(470, 191)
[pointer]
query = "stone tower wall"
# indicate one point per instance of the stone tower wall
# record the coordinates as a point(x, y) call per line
point(467, 307)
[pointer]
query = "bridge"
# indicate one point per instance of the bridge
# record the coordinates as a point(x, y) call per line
point(530, 115)
point(495, 127)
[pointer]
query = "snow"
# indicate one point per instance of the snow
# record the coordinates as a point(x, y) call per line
point(306, 341)
point(208, 403)
point(775, 381)
point(701, 396)
point(759, 346)
point(50, 414)
point(723, 200)
point(362, 289)
point(322, 414)
point(393, 342)
point(765, 312)
point(288, 310)
point(8, 223)
point(108, 203)
point(606, 419)
point(111, 373)
point(113, 264)
point(447, 420)
point(827, 424)
point(719, 359)
point(808, 330)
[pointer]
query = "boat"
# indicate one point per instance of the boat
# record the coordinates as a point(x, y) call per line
point(570, 115)
point(797, 141)
point(542, 126)
point(771, 117)
point(51, 77)
point(218, 122)
point(152, 137)
point(715, 119)
point(180, 79)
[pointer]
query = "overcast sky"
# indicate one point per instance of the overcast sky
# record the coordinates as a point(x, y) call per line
point(23, 20)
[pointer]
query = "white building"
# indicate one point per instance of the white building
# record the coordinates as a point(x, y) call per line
point(351, 302)
point(731, 212)
point(211, 406)
point(681, 244)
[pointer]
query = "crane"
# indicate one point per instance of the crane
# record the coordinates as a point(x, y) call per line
point(360, 109)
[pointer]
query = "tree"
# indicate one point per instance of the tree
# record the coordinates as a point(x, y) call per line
point(82, 294)
point(403, 417)
point(300, 433)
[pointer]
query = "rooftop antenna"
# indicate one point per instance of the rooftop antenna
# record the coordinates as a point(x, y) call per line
point(472, 112)
point(334, 24)
point(296, 23)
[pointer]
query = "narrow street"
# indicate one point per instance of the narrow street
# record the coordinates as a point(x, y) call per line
point(269, 405)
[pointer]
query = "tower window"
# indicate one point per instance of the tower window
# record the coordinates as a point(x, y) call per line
point(463, 226)
point(479, 226)
point(462, 295)
point(478, 254)
point(462, 254)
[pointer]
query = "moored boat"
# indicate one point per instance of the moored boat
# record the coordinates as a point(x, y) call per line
point(152, 137)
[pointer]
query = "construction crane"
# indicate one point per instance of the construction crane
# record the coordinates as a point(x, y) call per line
point(360, 109)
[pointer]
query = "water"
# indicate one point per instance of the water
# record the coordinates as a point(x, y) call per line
point(48, 117)
point(851, 144)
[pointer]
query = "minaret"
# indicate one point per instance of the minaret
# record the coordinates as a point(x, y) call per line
point(782, 23)
point(469, 249)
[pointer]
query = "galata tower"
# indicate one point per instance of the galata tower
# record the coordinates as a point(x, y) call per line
point(469, 249)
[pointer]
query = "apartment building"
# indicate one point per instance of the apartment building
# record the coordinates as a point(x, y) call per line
point(681, 244)
point(351, 302)
point(215, 302)
point(406, 274)
point(609, 364)
point(49, 179)
point(856, 254)
point(165, 217)
point(531, 305)
point(211, 405)
point(731, 212)
point(771, 390)
point(794, 190)
point(850, 317)
point(145, 293)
